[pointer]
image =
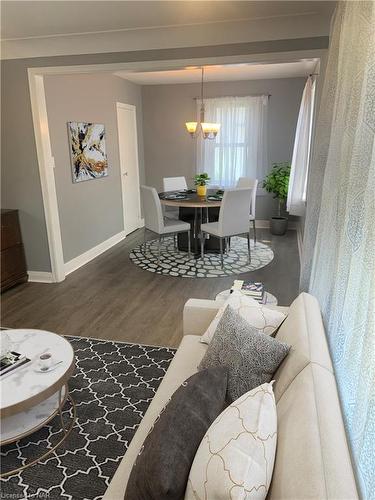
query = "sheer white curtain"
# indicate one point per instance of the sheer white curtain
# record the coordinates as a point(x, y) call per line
point(301, 152)
point(343, 181)
point(240, 148)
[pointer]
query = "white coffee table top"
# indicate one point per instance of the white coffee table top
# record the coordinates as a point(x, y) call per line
point(270, 299)
point(25, 387)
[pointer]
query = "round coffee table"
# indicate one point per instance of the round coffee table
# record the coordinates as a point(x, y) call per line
point(31, 398)
point(271, 300)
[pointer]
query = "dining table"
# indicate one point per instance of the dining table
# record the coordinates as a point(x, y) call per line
point(195, 210)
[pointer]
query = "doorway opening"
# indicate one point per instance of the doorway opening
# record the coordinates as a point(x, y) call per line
point(128, 177)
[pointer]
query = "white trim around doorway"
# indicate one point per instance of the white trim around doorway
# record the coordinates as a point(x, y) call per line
point(59, 269)
point(133, 109)
point(47, 175)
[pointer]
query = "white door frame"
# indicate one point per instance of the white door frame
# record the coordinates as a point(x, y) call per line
point(129, 107)
point(41, 126)
point(47, 175)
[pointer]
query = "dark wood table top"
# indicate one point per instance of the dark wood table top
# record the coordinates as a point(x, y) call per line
point(192, 200)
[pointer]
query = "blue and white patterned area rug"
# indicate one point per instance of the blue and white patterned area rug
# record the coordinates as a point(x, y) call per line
point(112, 386)
point(175, 263)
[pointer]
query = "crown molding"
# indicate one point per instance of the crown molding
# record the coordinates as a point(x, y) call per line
point(162, 26)
point(197, 35)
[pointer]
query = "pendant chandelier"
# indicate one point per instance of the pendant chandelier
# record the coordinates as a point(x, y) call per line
point(208, 130)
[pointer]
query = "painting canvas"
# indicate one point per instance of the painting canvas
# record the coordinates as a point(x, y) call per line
point(88, 152)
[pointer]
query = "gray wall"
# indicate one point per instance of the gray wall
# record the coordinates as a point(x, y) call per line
point(20, 182)
point(90, 212)
point(169, 150)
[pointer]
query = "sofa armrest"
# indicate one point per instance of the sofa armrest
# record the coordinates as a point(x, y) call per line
point(198, 314)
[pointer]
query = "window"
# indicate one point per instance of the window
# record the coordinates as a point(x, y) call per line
point(240, 148)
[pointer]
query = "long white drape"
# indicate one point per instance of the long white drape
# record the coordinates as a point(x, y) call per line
point(343, 269)
point(301, 152)
point(240, 148)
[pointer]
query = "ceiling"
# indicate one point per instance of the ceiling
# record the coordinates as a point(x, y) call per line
point(223, 72)
point(35, 19)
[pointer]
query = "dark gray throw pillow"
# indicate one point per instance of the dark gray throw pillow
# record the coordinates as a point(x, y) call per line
point(252, 357)
point(162, 468)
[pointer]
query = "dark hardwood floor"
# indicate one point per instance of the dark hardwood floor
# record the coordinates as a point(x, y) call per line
point(111, 298)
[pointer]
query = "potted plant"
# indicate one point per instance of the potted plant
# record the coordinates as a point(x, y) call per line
point(277, 182)
point(201, 181)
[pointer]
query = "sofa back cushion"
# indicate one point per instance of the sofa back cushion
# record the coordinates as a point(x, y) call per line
point(312, 458)
point(303, 330)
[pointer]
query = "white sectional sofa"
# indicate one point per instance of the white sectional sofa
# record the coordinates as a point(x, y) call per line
point(313, 458)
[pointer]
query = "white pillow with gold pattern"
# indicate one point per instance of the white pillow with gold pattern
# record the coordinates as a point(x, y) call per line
point(236, 456)
point(259, 316)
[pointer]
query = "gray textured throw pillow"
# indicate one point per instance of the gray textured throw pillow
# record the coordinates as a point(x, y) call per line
point(251, 356)
point(162, 468)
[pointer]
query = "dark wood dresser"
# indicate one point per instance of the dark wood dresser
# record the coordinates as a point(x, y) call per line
point(13, 263)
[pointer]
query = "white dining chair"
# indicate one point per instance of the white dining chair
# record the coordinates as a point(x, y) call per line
point(174, 184)
point(247, 182)
point(156, 223)
point(233, 219)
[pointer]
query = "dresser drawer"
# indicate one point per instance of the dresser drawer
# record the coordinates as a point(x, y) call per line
point(12, 263)
point(10, 230)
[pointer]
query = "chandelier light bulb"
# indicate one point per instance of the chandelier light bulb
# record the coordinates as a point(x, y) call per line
point(191, 127)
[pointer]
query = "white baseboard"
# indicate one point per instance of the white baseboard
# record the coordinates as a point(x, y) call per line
point(86, 257)
point(265, 224)
point(261, 224)
point(141, 222)
point(40, 277)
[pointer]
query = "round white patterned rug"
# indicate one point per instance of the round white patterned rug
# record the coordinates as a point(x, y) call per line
point(175, 263)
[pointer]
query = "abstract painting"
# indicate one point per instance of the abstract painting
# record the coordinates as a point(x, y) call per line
point(87, 150)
